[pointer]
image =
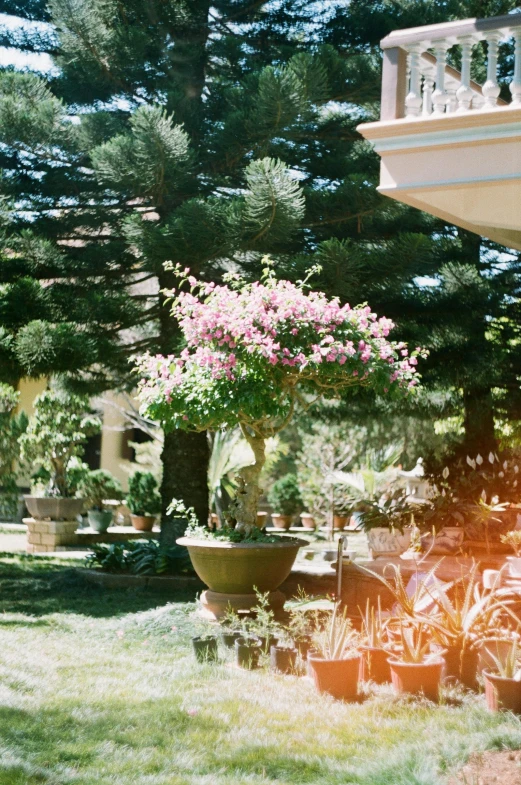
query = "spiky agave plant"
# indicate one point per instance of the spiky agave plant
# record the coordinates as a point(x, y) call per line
point(374, 626)
point(415, 645)
point(338, 640)
point(507, 664)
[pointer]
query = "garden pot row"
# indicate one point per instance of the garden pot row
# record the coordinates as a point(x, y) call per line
point(248, 651)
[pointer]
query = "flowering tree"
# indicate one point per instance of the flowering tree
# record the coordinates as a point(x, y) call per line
point(255, 351)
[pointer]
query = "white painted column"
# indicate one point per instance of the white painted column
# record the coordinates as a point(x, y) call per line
point(428, 87)
point(413, 99)
point(491, 88)
point(464, 93)
point(439, 97)
point(515, 84)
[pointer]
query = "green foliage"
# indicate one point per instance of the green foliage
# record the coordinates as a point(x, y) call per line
point(393, 512)
point(98, 486)
point(338, 640)
point(284, 495)
point(143, 497)
point(140, 557)
point(12, 426)
point(56, 433)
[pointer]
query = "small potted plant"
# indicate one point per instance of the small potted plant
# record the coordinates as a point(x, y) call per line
point(284, 497)
point(98, 487)
point(283, 657)
point(143, 500)
point(261, 624)
point(205, 648)
point(54, 439)
point(503, 680)
point(415, 669)
point(375, 648)
point(388, 524)
point(513, 539)
point(308, 520)
point(442, 523)
point(248, 650)
point(334, 663)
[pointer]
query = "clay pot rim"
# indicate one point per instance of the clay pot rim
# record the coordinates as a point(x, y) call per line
point(288, 542)
point(318, 658)
point(393, 661)
point(497, 677)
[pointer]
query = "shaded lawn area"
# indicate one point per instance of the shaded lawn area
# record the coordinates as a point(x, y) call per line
point(100, 687)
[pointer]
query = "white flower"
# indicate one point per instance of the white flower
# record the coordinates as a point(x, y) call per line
point(484, 495)
point(516, 469)
point(471, 462)
point(445, 473)
point(514, 484)
point(505, 465)
point(491, 457)
point(501, 474)
point(479, 459)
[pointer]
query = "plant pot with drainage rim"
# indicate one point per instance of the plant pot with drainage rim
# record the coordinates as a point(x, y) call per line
point(502, 694)
point(205, 648)
point(417, 678)
point(338, 678)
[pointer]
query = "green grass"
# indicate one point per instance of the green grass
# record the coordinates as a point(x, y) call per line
point(100, 688)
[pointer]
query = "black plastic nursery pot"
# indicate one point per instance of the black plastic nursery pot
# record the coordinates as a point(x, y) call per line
point(283, 659)
point(266, 642)
point(247, 652)
point(416, 678)
point(374, 665)
point(338, 678)
point(502, 694)
point(303, 645)
point(229, 638)
point(205, 649)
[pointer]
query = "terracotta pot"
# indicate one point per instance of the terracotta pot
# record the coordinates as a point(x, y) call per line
point(143, 523)
point(502, 694)
point(340, 522)
point(447, 541)
point(499, 647)
point(374, 665)
point(416, 678)
point(283, 659)
point(338, 678)
point(461, 664)
point(308, 521)
point(100, 520)
point(56, 509)
point(238, 567)
point(205, 649)
point(281, 521)
point(247, 652)
point(385, 542)
point(262, 518)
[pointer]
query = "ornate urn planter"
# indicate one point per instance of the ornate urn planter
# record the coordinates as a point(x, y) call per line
point(387, 542)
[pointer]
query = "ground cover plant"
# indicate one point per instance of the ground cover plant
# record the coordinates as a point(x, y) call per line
point(102, 687)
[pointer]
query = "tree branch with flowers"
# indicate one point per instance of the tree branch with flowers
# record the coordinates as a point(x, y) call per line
point(254, 351)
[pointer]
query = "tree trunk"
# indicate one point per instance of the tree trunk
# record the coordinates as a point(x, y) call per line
point(479, 422)
point(244, 506)
point(185, 460)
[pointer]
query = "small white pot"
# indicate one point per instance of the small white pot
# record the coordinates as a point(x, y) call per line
point(514, 566)
point(385, 542)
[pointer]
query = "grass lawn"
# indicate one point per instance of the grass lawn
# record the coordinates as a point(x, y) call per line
point(101, 687)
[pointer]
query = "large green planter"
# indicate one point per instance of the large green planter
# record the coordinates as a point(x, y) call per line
point(242, 567)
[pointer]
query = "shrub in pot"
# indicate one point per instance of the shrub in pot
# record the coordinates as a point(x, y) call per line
point(248, 652)
point(416, 670)
point(55, 437)
point(334, 663)
point(98, 487)
point(143, 500)
point(284, 497)
point(503, 681)
point(205, 648)
point(388, 524)
point(240, 370)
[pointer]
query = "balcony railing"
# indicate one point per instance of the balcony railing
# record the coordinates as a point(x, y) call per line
point(418, 83)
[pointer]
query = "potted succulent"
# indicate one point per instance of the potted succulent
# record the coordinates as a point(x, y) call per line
point(375, 646)
point(241, 369)
point(513, 539)
point(284, 497)
point(503, 680)
point(54, 439)
point(98, 487)
point(334, 662)
point(388, 524)
point(143, 500)
point(415, 669)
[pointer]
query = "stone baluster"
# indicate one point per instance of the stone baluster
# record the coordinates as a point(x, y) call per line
point(428, 87)
point(413, 99)
point(464, 93)
point(515, 84)
point(491, 87)
point(439, 97)
point(452, 101)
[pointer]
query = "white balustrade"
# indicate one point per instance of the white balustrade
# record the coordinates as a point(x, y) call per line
point(432, 87)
